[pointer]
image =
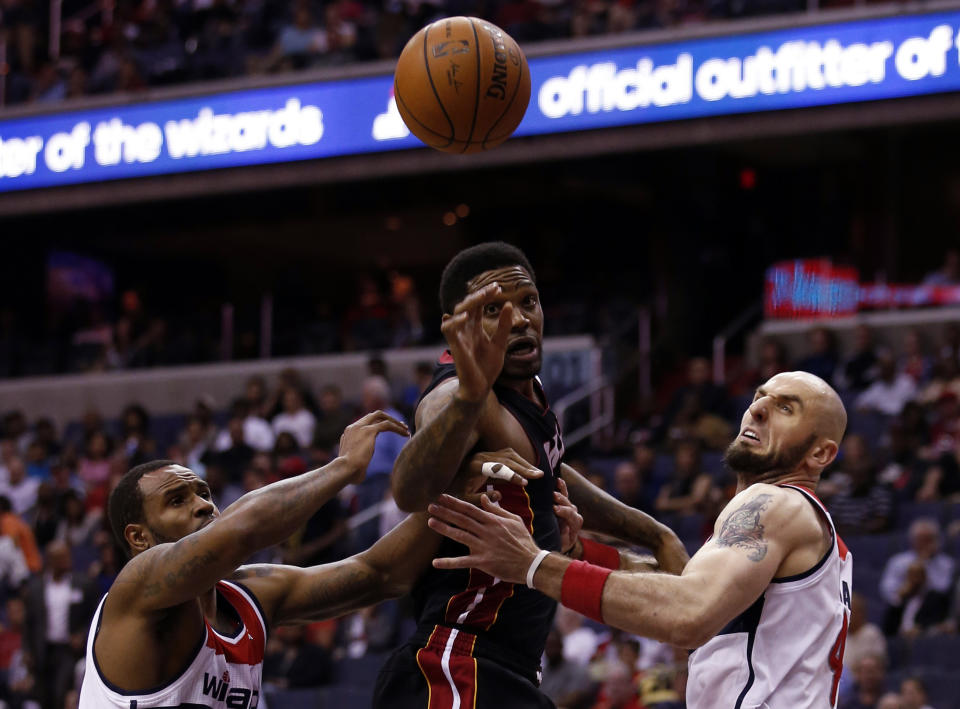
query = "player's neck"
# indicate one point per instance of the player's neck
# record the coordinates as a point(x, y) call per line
point(522, 386)
point(800, 478)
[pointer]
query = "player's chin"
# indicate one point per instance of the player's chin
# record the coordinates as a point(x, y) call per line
point(521, 368)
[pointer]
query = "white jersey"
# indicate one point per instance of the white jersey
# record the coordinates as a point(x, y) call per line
point(224, 671)
point(786, 650)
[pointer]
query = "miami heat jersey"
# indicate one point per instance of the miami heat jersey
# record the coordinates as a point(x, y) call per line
point(786, 650)
point(511, 621)
point(225, 671)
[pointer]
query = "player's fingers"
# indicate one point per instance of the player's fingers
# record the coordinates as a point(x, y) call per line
point(454, 324)
point(451, 532)
point(568, 515)
point(455, 518)
point(504, 326)
point(393, 426)
point(456, 505)
point(454, 562)
point(370, 418)
point(475, 300)
point(519, 464)
point(497, 510)
point(562, 487)
point(474, 498)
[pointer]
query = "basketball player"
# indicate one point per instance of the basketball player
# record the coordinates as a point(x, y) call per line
point(765, 602)
point(480, 639)
point(183, 626)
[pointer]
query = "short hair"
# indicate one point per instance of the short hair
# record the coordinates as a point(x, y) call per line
point(470, 263)
point(126, 501)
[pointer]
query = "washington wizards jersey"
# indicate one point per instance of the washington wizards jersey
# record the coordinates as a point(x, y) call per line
point(224, 672)
point(786, 650)
point(511, 621)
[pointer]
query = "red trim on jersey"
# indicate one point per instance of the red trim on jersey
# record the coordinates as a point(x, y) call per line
point(842, 548)
point(487, 607)
point(600, 554)
point(445, 358)
point(460, 664)
point(248, 647)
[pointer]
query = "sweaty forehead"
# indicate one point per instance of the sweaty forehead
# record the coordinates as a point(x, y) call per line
point(509, 278)
point(164, 478)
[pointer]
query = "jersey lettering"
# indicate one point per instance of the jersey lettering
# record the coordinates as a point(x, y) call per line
point(836, 660)
point(845, 594)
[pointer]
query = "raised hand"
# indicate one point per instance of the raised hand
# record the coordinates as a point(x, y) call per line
point(499, 541)
point(477, 356)
point(358, 439)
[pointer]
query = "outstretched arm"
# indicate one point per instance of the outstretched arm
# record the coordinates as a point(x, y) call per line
point(604, 514)
point(169, 574)
point(447, 418)
point(753, 536)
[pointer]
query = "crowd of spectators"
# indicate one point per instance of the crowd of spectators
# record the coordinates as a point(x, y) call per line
point(892, 493)
point(106, 46)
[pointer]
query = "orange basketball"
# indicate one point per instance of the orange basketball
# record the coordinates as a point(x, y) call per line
point(462, 85)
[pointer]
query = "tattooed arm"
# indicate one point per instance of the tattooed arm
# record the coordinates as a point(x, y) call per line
point(764, 531)
point(604, 514)
point(169, 574)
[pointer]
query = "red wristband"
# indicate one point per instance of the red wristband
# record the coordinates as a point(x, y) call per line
point(600, 554)
point(582, 588)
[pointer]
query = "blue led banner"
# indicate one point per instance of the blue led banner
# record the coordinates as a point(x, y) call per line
point(811, 66)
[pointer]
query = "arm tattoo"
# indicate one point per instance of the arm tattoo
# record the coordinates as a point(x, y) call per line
point(743, 529)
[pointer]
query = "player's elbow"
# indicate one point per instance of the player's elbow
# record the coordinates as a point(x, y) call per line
point(407, 497)
point(690, 632)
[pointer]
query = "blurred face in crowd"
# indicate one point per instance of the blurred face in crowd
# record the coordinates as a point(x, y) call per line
point(698, 372)
point(862, 338)
point(870, 673)
point(330, 400)
point(912, 694)
point(890, 701)
point(644, 457)
point(58, 558)
point(176, 502)
point(97, 446)
point(17, 470)
point(626, 480)
point(820, 341)
point(795, 421)
point(525, 343)
point(925, 538)
point(292, 401)
point(685, 460)
point(235, 428)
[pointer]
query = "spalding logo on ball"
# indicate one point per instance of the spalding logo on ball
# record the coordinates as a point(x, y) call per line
point(462, 85)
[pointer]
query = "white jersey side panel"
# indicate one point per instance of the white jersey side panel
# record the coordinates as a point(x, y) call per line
point(224, 672)
point(786, 650)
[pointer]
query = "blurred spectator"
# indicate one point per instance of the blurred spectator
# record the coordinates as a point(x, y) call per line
point(945, 378)
point(567, 683)
point(290, 378)
point(45, 517)
point(891, 390)
point(916, 583)
point(913, 694)
point(858, 503)
point(579, 641)
point(334, 418)
point(890, 700)
point(224, 491)
point(233, 459)
point(664, 685)
point(630, 488)
point(689, 489)
point(371, 630)
point(15, 429)
point(77, 525)
point(870, 679)
point(94, 467)
point(60, 605)
point(19, 685)
point(822, 359)
point(293, 661)
point(863, 637)
point(698, 396)
point(366, 325)
point(618, 690)
point(104, 570)
point(375, 394)
point(19, 489)
point(860, 370)
point(45, 434)
point(948, 274)
point(13, 567)
point(915, 363)
point(138, 447)
point(196, 443)
point(255, 394)
point(295, 419)
point(37, 462)
point(12, 526)
point(254, 431)
point(422, 376)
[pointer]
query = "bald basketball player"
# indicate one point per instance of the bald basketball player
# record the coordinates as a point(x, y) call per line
point(765, 602)
point(183, 626)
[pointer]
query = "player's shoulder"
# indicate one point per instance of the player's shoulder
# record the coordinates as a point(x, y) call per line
point(437, 398)
point(773, 503)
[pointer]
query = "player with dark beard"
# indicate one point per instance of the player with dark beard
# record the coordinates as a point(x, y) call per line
point(765, 602)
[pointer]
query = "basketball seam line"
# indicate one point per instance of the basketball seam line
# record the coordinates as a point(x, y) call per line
point(426, 65)
point(396, 94)
point(476, 102)
point(483, 143)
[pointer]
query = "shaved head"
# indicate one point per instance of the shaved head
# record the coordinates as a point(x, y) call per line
point(831, 415)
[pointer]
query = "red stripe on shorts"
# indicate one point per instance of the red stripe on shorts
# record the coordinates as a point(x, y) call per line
point(449, 668)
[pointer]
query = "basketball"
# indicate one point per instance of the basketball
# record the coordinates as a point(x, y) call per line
point(462, 85)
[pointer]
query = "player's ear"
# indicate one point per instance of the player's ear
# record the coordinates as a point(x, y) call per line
point(824, 453)
point(138, 537)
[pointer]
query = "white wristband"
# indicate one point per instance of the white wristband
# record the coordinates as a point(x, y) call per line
point(535, 564)
point(498, 471)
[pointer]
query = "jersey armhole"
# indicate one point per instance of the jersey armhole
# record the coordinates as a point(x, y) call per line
point(822, 513)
